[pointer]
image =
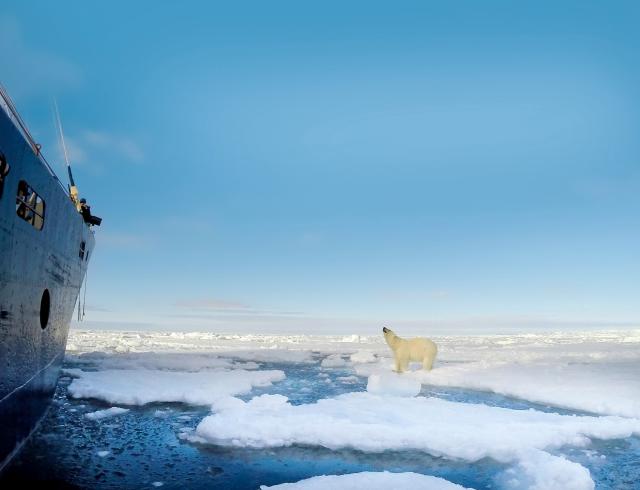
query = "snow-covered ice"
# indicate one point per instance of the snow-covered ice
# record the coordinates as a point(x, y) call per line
point(375, 423)
point(327, 404)
point(139, 387)
point(363, 356)
point(383, 480)
point(393, 384)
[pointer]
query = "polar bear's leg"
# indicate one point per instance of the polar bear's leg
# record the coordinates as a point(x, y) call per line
point(405, 365)
point(398, 365)
point(427, 363)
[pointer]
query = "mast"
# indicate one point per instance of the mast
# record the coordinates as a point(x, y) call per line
point(73, 190)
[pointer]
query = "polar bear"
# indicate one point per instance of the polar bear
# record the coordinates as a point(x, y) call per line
point(407, 350)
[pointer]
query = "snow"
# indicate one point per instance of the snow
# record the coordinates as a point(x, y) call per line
point(594, 372)
point(611, 388)
point(371, 481)
point(191, 362)
point(139, 387)
point(542, 471)
point(393, 384)
point(374, 423)
point(363, 356)
point(105, 414)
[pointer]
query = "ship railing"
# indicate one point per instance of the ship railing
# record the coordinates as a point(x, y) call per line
point(10, 109)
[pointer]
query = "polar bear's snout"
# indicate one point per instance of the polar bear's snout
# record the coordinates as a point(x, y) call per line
point(385, 329)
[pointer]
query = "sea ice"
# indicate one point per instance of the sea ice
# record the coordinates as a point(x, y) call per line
point(139, 387)
point(105, 414)
point(363, 356)
point(374, 423)
point(393, 384)
point(610, 388)
point(542, 471)
point(334, 360)
point(174, 361)
point(370, 481)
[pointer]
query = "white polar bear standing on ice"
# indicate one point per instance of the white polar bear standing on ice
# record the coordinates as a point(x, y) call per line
point(407, 350)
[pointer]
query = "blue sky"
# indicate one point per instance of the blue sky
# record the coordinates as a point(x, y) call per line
point(444, 167)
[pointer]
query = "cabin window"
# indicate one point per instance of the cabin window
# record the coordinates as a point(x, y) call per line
point(82, 247)
point(30, 206)
point(4, 171)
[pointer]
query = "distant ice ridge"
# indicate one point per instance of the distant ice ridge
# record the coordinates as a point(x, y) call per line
point(369, 481)
point(375, 423)
point(139, 387)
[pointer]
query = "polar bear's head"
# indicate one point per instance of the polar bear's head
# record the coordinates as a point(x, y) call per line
point(389, 336)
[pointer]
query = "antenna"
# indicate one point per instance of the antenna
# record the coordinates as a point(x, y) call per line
point(73, 190)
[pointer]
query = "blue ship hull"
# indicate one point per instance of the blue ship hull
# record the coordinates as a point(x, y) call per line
point(44, 253)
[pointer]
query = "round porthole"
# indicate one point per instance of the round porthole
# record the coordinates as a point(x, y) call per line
point(45, 308)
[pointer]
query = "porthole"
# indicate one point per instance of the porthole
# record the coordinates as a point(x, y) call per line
point(45, 308)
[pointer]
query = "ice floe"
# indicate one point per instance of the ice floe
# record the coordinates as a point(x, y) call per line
point(383, 480)
point(139, 387)
point(374, 423)
point(611, 388)
point(105, 414)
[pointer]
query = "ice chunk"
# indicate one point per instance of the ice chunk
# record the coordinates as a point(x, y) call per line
point(393, 384)
point(103, 454)
point(138, 387)
point(370, 481)
point(104, 414)
point(539, 470)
